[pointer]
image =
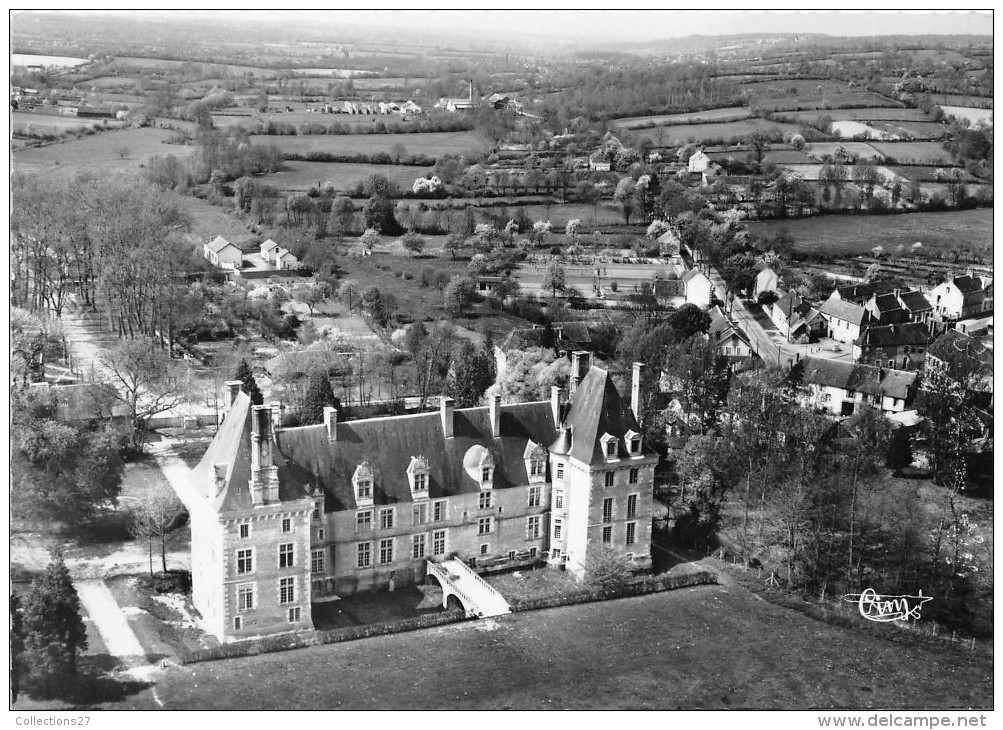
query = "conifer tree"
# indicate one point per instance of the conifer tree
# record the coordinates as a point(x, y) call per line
point(318, 394)
point(250, 385)
point(53, 626)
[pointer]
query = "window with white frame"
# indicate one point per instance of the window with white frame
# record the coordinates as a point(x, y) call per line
point(631, 506)
point(439, 542)
point(365, 553)
point(387, 518)
point(386, 551)
point(484, 501)
point(417, 547)
point(560, 470)
point(486, 472)
point(484, 526)
point(419, 513)
point(245, 561)
point(533, 552)
point(555, 553)
point(439, 510)
point(286, 555)
point(417, 475)
point(294, 615)
point(320, 533)
point(558, 528)
point(632, 439)
point(362, 481)
point(317, 561)
point(607, 510)
point(559, 499)
point(287, 524)
point(421, 482)
point(364, 520)
point(631, 532)
point(533, 527)
point(537, 468)
point(534, 496)
point(485, 548)
point(287, 589)
point(245, 596)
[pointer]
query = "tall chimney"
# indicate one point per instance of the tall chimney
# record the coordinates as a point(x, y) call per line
point(264, 474)
point(232, 388)
point(635, 391)
point(494, 408)
point(579, 367)
point(555, 404)
point(446, 406)
point(331, 422)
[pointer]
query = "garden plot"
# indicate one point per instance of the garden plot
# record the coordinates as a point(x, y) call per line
point(972, 114)
point(847, 128)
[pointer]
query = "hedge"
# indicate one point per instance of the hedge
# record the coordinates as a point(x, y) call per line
point(639, 588)
point(254, 647)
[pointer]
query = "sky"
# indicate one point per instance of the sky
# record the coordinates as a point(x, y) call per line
point(654, 24)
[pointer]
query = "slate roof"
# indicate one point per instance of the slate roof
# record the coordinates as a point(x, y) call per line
point(843, 310)
point(915, 302)
point(861, 378)
point(691, 275)
point(887, 303)
point(596, 409)
point(306, 456)
point(269, 245)
point(952, 342)
point(894, 335)
point(231, 450)
point(968, 284)
point(721, 329)
point(219, 243)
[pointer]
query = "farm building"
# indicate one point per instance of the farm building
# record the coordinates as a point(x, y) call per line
point(796, 319)
point(886, 309)
point(916, 305)
point(287, 515)
point(220, 252)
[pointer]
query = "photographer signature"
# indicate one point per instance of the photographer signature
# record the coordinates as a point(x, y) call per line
point(875, 607)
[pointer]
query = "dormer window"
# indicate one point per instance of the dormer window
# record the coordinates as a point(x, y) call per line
point(535, 457)
point(362, 482)
point(417, 476)
point(609, 446)
point(632, 440)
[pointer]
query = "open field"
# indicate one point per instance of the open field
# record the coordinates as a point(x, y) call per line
point(931, 153)
point(915, 130)
point(863, 115)
point(971, 114)
point(30, 59)
point(430, 143)
point(726, 114)
point(811, 172)
point(776, 157)
point(682, 133)
point(304, 175)
point(97, 152)
point(864, 150)
point(853, 235)
point(979, 102)
point(623, 654)
point(49, 123)
point(796, 94)
point(607, 213)
point(582, 276)
point(847, 128)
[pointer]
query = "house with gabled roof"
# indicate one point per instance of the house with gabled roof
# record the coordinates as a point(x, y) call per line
point(285, 516)
point(268, 249)
point(901, 346)
point(886, 309)
point(844, 320)
point(698, 162)
point(729, 339)
point(842, 388)
point(961, 297)
point(698, 288)
point(796, 319)
point(766, 281)
point(917, 306)
point(220, 252)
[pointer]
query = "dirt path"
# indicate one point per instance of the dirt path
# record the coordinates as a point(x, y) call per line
point(112, 625)
point(87, 336)
point(176, 472)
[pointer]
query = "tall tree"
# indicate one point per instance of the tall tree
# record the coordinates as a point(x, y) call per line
point(472, 374)
point(154, 519)
point(554, 279)
point(248, 382)
point(318, 395)
point(53, 625)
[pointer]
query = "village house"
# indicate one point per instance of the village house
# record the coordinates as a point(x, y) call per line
point(698, 288)
point(598, 162)
point(766, 281)
point(901, 346)
point(886, 309)
point(917, 306)
point(284, 259)
point(268, 249)
point(288, 515)
point(698, 162)
point(960, 351)
point(842, 388)
point(220, 252)
point(844, 320)
point(729, 339)
point(961, 297)
point(796, 319)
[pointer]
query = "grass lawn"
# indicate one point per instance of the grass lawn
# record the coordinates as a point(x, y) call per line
point(725, 114)
point(521, 585)
point(840, 236)
point(429, 143)
point(682, 133)
point(378, 606)
point(930, 153)
point(708, 647)
point(864, 115)
point(97, 152)
point(301, 176)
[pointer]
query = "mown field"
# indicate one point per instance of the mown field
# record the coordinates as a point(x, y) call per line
point(852, 235)
point(931, 153)
point(97, 152)
point(723, 648)
point(300, 176)
point(726, 131)
point(48, 123)
point(429, 143)
point(863, 115)
point(796, 94)
point(973, 115)
point(725, 114)
point(860, 149)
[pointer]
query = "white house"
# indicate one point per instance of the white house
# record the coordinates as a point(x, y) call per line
point(268, 249)
point(283, 259)
point(699, 162)
point(843, 387)
point(845, 320)
point(766, 280)
point(220, 252)
point(730, 340)
point(698, 288)
point(961, 297)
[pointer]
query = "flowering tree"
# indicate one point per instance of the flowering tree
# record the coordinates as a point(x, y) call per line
point(541, 229)
point(572, 228)
point(369, 239)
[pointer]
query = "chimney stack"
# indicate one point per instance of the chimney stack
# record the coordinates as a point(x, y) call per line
point(446, 405)
point(494, 409)
point(331, 422)
point(579, 367)
point(232, 388)
point(470, 94)
point(555, 404)
point(635, 391)
point(264, 474)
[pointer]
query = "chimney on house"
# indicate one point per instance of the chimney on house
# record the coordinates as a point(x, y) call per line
point(635, 391)
point(264, 474)
point(446, 406)
point(470, 92)
point(331, 422)
point(579, 367)
point(555, 404)
point(232, 388)
point(494, 408)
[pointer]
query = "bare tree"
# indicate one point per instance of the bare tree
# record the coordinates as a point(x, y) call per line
point(154, 519)
point(122, 152)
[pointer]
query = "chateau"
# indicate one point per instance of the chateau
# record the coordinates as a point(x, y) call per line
point(290, 515)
